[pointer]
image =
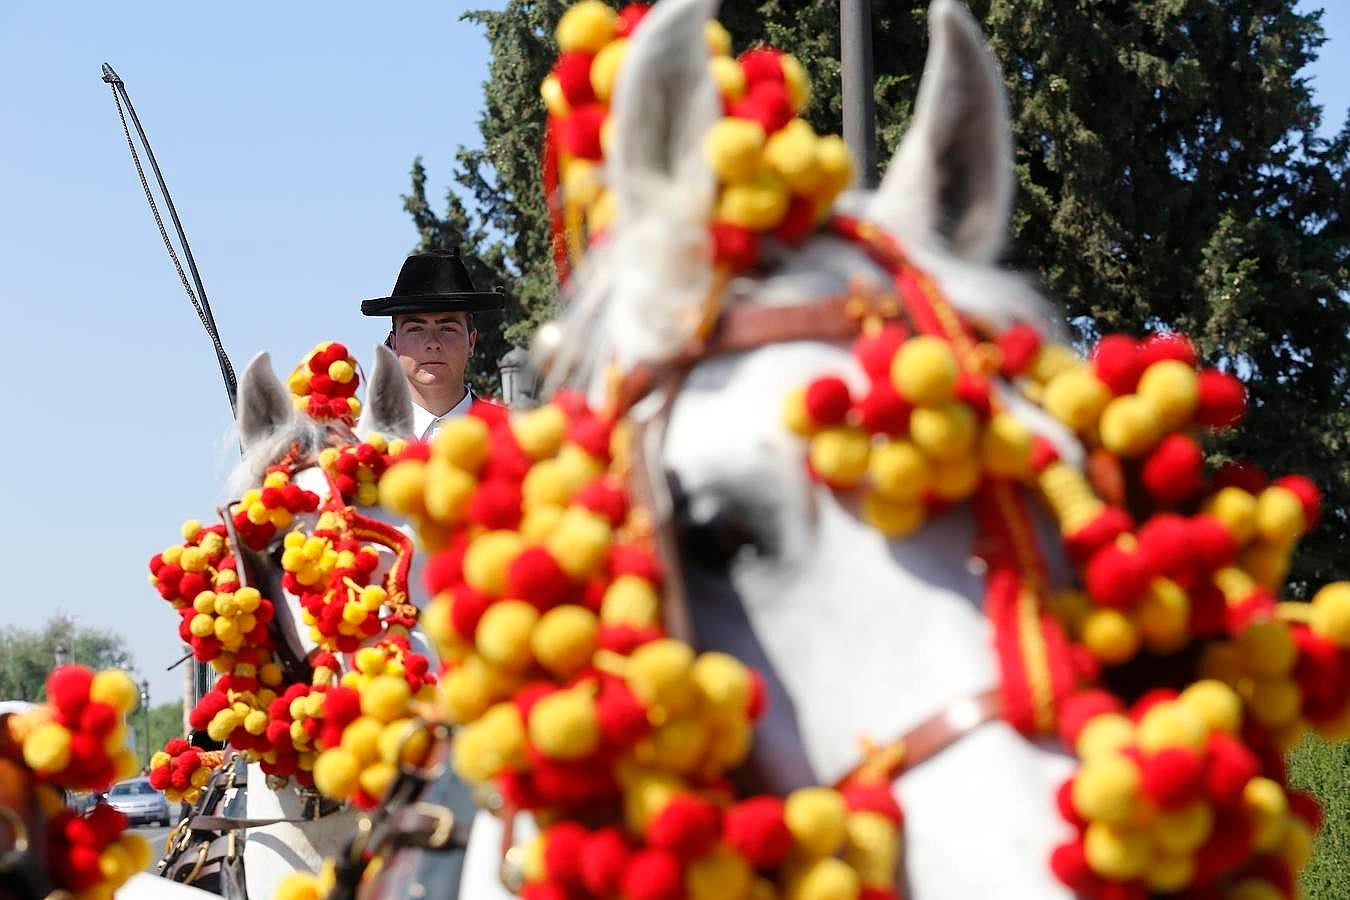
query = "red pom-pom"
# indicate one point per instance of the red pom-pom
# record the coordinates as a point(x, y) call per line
point(495, 505)
point(1079, 708)
point(530, 694)
point(1306, 807)
point(443, 571)
point(1307, 492)
point(1227, 848)
point(622, 718)
point(756, 830)
point(762, 64)
point(1246, 475)
point(759, 696)
point(1043, 453)
point(1117, 578)
point(884, 410)
point(535, 577)
point(1164, 543)
point(827, 400)
point(574, 77)
point(341, 705)
point(630, 559)
point(1222, 399)
point(1212, 542)
point(562, 852)
point(605, 497)
point(688, 827)
point(1173, 777)
point(1110, 523)
point(592, 434)
point(98, 719)
point(1209, 609)
point(467, 610)
point(604, 856)
point(1069, 863)
point(1167, 345)
point(973, 390)
point(68, 689)
point(1118, 363)
point(874, 797)
point(734, 246)
point(653, 875)
point(1175, 471)
point(579, 132)
point(1064, 802)
point(875, 351)
point(629, 17)
point(798, 222)
point(1150, 699)
point(1018, 346)
point(1231, 766)
point(767, 103)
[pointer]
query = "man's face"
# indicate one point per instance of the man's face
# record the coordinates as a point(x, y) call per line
point(434, 348)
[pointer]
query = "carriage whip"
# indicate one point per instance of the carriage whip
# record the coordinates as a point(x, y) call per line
point(197, 297)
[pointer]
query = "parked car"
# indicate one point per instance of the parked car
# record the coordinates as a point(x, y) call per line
point(83, 801)
point(139, 802)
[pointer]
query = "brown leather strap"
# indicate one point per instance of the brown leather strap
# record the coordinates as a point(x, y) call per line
point(887, 762)
point(228, 823)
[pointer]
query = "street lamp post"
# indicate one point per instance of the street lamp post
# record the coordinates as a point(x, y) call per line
point(145, 718)
point(855, 45)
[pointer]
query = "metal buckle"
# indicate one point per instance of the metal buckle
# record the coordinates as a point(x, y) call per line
point(13, 855)
point(445, 823)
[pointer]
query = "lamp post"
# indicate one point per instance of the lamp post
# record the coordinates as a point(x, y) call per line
point(145, 718)
point(855, 45)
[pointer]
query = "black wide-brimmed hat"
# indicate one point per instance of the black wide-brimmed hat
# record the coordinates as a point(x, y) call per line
point(433, 282)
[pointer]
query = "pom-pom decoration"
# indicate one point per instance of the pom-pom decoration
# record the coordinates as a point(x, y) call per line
point(324, 385)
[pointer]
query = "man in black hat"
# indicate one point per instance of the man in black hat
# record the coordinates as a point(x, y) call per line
point(433, 333)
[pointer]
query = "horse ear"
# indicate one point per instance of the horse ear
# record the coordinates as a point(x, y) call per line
point(264, 403)
point(388, 408)
point(664, 104)
point(951, 177)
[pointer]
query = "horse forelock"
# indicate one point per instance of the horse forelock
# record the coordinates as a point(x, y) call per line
point(301, 432)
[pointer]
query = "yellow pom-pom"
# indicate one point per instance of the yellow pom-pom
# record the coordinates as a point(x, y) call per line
point(1005, 447)
point(824, 879)
point(758, 203)
point(137, 850)
point(125, 764)
point(1076, 397)
point(462, 442)
point(724, 682)
point(631, 600)
point(1115, 852)
point(403, 741)
point(943, 432)
point(361, 739)
point(1236, 509)
point(564, 725)
point(679, 745)
point(719, 875)
point(925, 371)
point(1268, 564)
point(1268, 807)
point(840, 455)
point(898, 471)
point(493, 743)
point(1331, 613)
point(1171, 725)
point(894, 519)
point(1169, 874)
point(564, 639)
point(466, 690)
point(376, 778)
point(1107, 789)
point(386, 698)
point(1104, 737)
point(1217, 704)
point(729, 77)
point(1253, 889)
point(1275, 702)
point(298, 886)
point(955, 479)
point(873, 847)
point(791, 153)
point(401, 486)
point(659, 673)
point(836, 165)
point(797, 81)
point(1183, 831)
point(1110, 637)
point(487, 559)
point(255, 723)
point(717, 38)
point(539, 522)
point(815, 816)
point(114, 864)
point(582, 182)
point(503, 636)
point(341, 371)
point(193, 559)
point(191, 528)
point(1173, 389)
point(586, 27)
point(1163, 617)
point(1267, 648)
point(548, 483)
point(646, 793)
point(579, 542)
point(335, 773)
point(733, 148)
point(115, 688)
point(447, 490)
point(540, 432)
point(605, 68)
point(1279, 515)
point(1297, 846)
point(47, 748)
point(555, 101)
point(1130, 426)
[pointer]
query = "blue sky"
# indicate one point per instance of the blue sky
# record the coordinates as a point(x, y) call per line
point(285, 131)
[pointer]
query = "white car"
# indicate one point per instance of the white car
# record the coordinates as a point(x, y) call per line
point(139, 802)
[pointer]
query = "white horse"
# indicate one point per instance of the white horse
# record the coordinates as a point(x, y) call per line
point(860, 637)
point(269, 427)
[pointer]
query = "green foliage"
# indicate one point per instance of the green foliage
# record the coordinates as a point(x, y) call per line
point(166, 723)
point(1170, 176)
point(26, 657)
point(1324, 769)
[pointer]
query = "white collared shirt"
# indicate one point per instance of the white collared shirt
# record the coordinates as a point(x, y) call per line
point(425, 425)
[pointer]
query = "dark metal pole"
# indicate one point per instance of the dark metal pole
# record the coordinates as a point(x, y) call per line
point(855, 46)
